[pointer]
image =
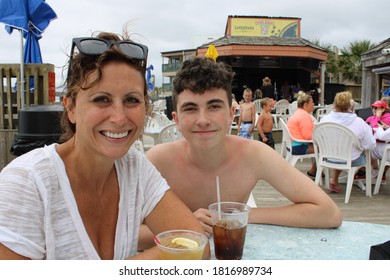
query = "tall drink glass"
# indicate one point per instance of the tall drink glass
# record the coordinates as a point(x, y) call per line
point(181, 245)
point(229, 229)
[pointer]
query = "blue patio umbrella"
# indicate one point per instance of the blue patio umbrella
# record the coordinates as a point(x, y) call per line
point(149, 80)
point(31, 18)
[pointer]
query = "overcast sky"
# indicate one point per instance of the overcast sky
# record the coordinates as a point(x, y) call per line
point(176, 24)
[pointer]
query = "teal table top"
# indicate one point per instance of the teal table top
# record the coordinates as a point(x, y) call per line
point(351, 241)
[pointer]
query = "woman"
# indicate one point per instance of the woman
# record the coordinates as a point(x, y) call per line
point(267, 88)
point(380, 114)
point(342, 115)
point(86, 198)
point(301, 126)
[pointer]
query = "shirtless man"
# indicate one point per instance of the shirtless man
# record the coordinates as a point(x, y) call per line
point(202, 111)
point(246, 122)
point(265, 123)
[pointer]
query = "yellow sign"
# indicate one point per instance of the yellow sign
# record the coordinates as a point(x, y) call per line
point(265, 27)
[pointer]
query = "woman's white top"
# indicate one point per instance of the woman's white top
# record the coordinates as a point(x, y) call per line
point(39, 218)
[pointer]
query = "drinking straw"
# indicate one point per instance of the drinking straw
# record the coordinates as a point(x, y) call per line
point(156, 240)
point(218, 200)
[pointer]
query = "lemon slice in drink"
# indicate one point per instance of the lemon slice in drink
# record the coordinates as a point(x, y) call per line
point(185, 242)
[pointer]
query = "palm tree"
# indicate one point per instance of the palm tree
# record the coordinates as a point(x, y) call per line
point(332, 68)
point(350, 60)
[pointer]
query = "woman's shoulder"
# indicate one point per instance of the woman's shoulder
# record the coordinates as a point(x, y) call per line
point(386, 118)
point(34, 157)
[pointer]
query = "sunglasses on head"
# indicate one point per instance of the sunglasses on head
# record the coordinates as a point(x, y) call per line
point(95, 47)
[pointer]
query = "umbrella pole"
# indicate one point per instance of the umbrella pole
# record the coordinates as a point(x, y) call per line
point(21, 70)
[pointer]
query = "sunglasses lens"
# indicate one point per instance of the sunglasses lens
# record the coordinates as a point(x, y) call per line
point(93, 47)
point(132, 50)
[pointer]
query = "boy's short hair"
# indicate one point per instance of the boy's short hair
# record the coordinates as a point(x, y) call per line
point(264, 101)
point(201, 74)
point(248, 90)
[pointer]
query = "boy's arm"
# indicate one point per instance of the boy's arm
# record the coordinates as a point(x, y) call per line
point(253, 117)
point(253, 114)
point(260, 126)
point(239, 121)
point(311, 207)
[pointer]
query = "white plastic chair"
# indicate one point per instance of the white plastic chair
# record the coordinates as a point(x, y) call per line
point(258, 106)
point(157, 120)
point(292, 108)
point(384, 162)
point(281, 107)
point(286, 149)
point(159, 106)
point(321, 112)
point(334, 142)
point(170, 133)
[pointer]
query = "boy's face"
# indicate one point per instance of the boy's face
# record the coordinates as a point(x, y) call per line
point(203, 119)
point(268, 107)
point(247, 96)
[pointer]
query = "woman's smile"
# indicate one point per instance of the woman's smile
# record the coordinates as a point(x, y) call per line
point(115, 135)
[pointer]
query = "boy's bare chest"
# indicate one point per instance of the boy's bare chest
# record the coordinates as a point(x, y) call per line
point(197, 188)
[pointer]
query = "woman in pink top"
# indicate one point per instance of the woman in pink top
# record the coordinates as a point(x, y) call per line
point(380, 114)
point(301, 126)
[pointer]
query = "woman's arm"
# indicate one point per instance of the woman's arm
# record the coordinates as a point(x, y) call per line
point(171, 213)
point(7, 254)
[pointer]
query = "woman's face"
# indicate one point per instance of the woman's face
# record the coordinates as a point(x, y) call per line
point(378, 111)
point(109, 117)
point(309, 107)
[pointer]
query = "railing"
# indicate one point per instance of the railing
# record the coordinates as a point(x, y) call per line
point(167, 87)
point(43, 78)
point(171, 67)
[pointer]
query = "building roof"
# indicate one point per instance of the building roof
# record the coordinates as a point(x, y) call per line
point(178, 51)
point(377, 49)
point(261, 41)
point(264, 47)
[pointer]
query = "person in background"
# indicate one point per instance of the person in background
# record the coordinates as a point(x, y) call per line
point(301, 126)
point(342, 115)
point(247, 121)
point(286, 91)
point(203, 113)
point(380, 114)
point(265, 123)
point(258, 94)
point(387, 100)
point(382, 136)
point(267, 88)
point(87, 197)
point(236, 108)
point(295, 90)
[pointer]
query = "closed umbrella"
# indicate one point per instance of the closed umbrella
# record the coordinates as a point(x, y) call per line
point(31, 18)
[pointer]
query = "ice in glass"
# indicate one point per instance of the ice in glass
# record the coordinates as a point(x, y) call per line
point(229, 229)
point(181, 245)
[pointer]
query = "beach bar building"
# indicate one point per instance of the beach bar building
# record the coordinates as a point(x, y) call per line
point(258, 46)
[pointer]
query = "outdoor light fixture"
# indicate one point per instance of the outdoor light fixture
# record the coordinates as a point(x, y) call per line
point(386, 51)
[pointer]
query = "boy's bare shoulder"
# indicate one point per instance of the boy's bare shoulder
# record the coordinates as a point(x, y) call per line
point(163, 152)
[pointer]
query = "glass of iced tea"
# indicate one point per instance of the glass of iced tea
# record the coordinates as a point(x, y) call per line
point(181, 244)
point(229, 229)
